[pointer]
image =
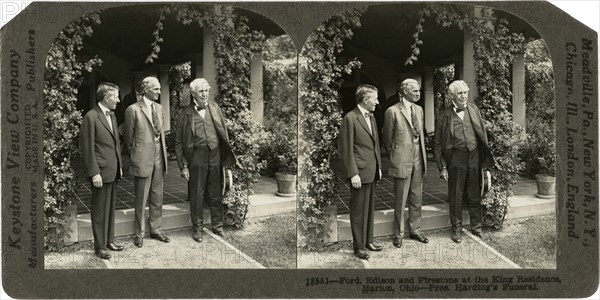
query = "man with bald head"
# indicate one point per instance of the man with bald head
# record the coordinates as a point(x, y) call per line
point(404, 138)
point(203, 149)
point(145, 139)
point(461, 152)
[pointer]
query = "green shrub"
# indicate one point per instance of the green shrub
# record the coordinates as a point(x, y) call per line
point(62, 120)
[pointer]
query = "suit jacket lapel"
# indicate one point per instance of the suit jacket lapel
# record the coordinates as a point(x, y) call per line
point(477, 126)
point(144, 108)
point(362, 121)
point(404, 111)
point(103, 120)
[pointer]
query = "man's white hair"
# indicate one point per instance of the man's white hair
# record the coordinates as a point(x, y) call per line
point(198, 83)
point(456, 86)
point(148, 80)
point(406, 83)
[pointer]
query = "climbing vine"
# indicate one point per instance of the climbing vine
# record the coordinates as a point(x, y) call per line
point(235, 44)
point(495, 47)
point(321, 74)
point(64, 74)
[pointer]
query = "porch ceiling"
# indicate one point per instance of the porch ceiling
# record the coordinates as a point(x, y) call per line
point(387, 30)
point(126, 32)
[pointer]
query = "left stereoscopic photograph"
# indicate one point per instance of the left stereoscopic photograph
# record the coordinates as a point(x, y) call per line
point(170, 140)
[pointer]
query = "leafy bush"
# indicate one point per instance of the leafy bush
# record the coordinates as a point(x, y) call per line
point(321, 74)
point(64, 74)
point(539, 152)
point(280, 77)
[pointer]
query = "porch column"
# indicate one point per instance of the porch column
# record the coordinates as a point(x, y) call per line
point(209, 67)
point(257, 103)
point(163, 78)
point(196, 66)
point(468, 72)
point(429, 106)
point(518, 90)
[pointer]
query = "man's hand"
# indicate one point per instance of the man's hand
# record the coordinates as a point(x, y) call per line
point(185, 173)
point(444, 174)
point(355, 180)
point(97, 180)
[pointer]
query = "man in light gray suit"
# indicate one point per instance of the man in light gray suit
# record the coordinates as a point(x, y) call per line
point(145, 139)
point(404, 139)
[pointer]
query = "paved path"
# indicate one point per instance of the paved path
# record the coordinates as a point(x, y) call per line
point(440, 253)
point(181, 253)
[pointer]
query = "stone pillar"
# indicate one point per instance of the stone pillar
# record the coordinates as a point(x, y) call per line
point(518, 90)
point(209, 67)
point(469, 74)
point(428, 98)
point(165, 95)
point(257, 102)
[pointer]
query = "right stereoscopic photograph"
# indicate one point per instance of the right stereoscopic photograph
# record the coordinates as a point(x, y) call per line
point(426, 141)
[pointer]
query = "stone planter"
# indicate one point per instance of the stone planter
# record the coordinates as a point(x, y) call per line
point(286, 184)
point(546, 186)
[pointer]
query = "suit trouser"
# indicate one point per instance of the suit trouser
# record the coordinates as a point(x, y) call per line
point(463, 181)
point(409, 190)
point(362, 204)
point(103, 214)
point(150, 190)
point(205, 183)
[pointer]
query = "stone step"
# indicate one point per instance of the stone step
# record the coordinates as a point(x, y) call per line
point(437, 216)
point(178, 215)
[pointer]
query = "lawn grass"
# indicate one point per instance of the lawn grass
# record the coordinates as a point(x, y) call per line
point(529, 242)
point(270, 240)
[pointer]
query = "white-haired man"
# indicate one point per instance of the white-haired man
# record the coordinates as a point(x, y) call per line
point(145, 139)
point(203, 149)
point(461, 151)
point(404, 139)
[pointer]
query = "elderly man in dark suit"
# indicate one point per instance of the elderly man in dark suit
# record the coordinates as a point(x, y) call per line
point(145, 139)
point(461, 151)
point(404, 139)
point(202, 147)
point(100, 148)
point(359, 149)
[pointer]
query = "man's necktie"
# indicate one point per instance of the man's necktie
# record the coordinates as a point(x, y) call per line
point(109, 115)
point(369, 117)
point(415, 122)
point(459, 109)
point(155, 121)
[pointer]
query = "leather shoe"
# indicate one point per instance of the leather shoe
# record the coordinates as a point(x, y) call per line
point(218, 232)
point(456, 237)
point(477, 234)
point(373, 247)
point(197, 236)
point(138, 242)
point(101, 253)
point(419, 237)
point(397, 242)
point(361, 254)
point(161, 237)
point(115, 247)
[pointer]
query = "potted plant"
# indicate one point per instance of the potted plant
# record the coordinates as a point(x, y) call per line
point(540, 157)
point(283, 160)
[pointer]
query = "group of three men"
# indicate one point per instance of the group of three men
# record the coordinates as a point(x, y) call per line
point(461, 150)
point(202, 147)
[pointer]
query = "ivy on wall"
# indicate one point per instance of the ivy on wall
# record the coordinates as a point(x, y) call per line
point(235, 44)
point(64, 74)
point(320, 76)
point(495, 47)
